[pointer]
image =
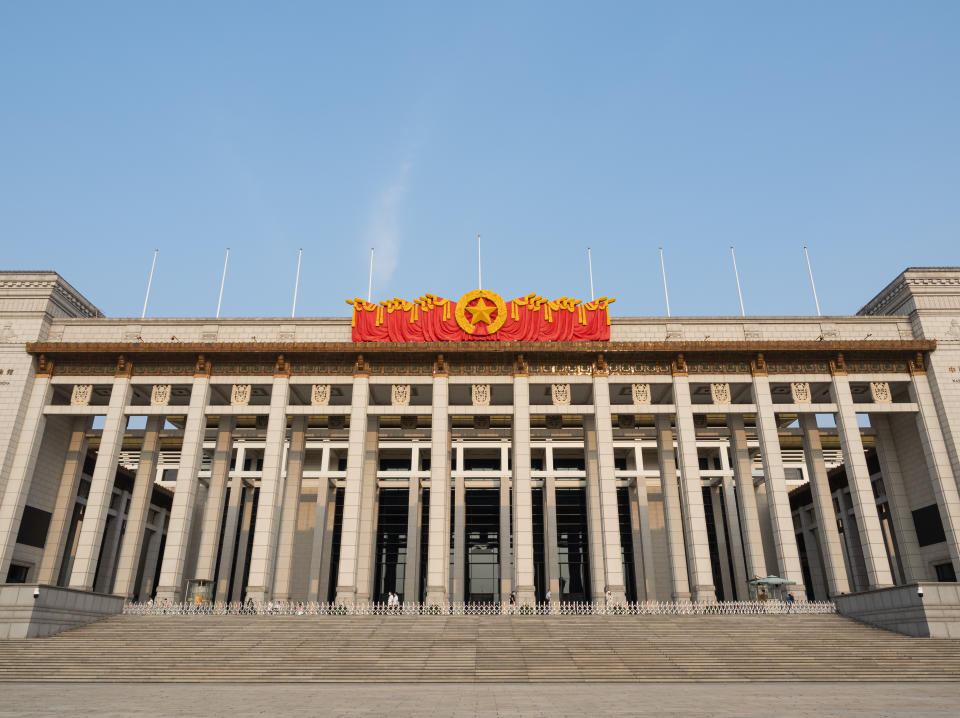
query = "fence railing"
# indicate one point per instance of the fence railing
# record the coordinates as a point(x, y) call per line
point(556, 608)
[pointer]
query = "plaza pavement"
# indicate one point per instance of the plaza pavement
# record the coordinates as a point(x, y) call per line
point(576, 700)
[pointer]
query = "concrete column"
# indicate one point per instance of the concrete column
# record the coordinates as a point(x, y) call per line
point(778, 503)
point(346, 593)
point(323, 588)
point(133, 537)
point(609, 506)
point(672, 522)
point(459, 540)
point(66, 498)
point(111, 547)
point(216, 494)
point(506, 552)
point(823, 507)
point(642, 541)
point(814, 560)
point(291, 507)
point(150, 563)
point(243, 544)
point(551, 548)
point(411, 572)
point(522, 494)
point(181, 512)
point(908, 547)
point(733, 528)
point(438, 533)
point(755, 565)
point(716, 498)
point(230, 530)
point(22, 464)
point(861, 490)
point(263, 557)
point(369, 510)
point(101, 487)
point(935, 452)
point(593, 506)
point(699, 567)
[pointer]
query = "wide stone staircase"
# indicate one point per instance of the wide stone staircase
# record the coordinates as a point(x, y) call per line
point(478, 648)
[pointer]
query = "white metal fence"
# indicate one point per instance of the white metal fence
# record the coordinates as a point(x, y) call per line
point(556, 608)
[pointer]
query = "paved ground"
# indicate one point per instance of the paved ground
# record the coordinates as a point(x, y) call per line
point(866, 700)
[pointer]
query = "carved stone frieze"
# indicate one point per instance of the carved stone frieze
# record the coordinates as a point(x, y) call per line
point(640, 393)
point(480, 394)
point(80, 396)
point(800, 392)
point(880, 391)
point(560, 394)
point(240, 395)
point(720, 393)
point(400, 395)
point(160, 394)
point(320, 395)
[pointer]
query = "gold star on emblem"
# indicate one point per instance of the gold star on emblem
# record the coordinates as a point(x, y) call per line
point(481, 311)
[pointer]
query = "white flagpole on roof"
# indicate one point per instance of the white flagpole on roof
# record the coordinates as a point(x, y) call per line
point(737, 275)
point(479, 265)
point(296, 285)
point(812, 285)
point(663, 271)
point(149, 284)
point(223, 280)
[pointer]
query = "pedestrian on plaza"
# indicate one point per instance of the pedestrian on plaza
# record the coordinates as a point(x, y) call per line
point(513, 601)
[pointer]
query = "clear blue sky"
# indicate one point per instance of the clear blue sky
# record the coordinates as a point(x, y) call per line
point(547, 127)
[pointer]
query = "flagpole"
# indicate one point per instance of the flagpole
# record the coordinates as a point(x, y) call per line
point(663, 271)
point(812, 285)
point(149, 283)
point(296, 285)
point(479, 265)
point(737, 275)
point(370, 283)
point(223, 280)
point(590, 263)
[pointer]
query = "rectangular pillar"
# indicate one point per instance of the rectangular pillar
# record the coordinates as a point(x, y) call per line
point(642, 540)
point(243, 544)
point(171, 586)
point(150, 563)
point(234, 502)
point(291, 507)
point(66, 498)
point(734, 538)
point(350, 528)
point(22, 465)
point(459, 540)
point(133, 537)
point(861, 489)
point(938, 464)
point(552, 550)
point(593, 507)
point(320, 544)
point(609, 507)
point(263, 558)
point(101, 487)
point(908, 547)
point(746, 498)
point(823, 507)
point(778, 503)
point(716, 498)
point(111, 547)
point(672, 522)
point(523, 580)
point(213, 507)
point(438, 533)
point(369, 508)
point(411, 572)
point(699, 567)
point(506, 549)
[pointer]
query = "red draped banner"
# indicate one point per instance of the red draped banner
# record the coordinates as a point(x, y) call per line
point(481, 315)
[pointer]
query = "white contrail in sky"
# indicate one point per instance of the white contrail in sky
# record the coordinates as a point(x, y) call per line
point(384, 232)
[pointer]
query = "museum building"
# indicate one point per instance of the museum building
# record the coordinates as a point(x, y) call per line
point(466, 450)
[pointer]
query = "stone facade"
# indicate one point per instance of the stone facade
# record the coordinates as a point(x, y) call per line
point(655, 466)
